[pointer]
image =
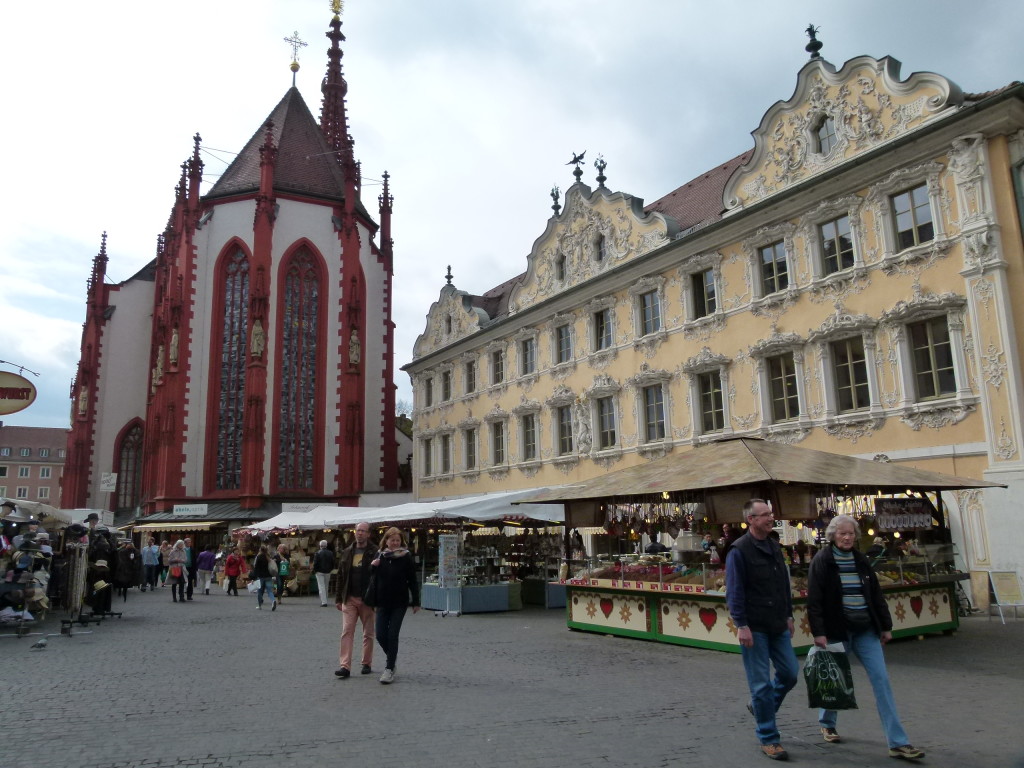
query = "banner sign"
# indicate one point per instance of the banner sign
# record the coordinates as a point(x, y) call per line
point(448, 560)
point(16, 393)
point(191, 510)
point(903, 514)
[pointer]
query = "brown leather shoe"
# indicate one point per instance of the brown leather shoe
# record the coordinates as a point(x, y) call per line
point(774, 752)
point(830, 735)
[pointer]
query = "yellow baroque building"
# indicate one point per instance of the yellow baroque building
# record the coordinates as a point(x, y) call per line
point(846, 284)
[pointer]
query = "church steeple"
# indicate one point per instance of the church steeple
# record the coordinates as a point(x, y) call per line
point(333, 121)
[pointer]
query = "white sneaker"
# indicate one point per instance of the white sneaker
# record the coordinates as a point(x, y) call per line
point(387, 677)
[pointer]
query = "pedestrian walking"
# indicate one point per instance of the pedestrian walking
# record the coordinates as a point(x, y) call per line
point(323, 564)
point(395, 589)
point(845, 604)
point(261, 571)
point(128, 569)
point(150, 565)
point(205, 563)
point(283, 569)
point(190, 568)
point(233, 569)
point(761, 606)
point(165, 550)
point(177, 576)
point(353, 579)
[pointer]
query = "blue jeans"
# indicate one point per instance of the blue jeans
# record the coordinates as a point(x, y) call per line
point(868, 648)
point(267, 584)
point(389, 624)
point(766, 695)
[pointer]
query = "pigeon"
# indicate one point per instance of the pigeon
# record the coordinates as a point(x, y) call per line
point(38, 645)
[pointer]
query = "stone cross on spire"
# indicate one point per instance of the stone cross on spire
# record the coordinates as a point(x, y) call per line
point(295, 43)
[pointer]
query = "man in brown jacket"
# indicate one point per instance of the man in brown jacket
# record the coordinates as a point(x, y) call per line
point(353, 576)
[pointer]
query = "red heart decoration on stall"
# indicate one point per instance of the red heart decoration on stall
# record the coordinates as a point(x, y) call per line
point(708, 617)
point(606, 606)
point(916, 604)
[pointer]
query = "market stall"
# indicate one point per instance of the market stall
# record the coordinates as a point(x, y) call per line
point(679, 597)
point(494, 567)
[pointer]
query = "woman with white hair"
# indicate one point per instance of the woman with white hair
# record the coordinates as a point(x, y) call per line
point(845, 604)
point(323, 564)
point(176, 575)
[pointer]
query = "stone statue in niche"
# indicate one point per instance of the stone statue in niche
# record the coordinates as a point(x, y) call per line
point(355, 349)
point(585, 439)
point(159, 375)
point(173, 356)
point(83, 401)
point(259, 339)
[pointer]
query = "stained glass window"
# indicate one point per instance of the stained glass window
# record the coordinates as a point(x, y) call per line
point(299, 338)
point(129, 470)
point(234, 335)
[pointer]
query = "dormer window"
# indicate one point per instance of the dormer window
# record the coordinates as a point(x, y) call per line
point(600, 248)
point(825, 134)
point(560, 267)
point(448, 325)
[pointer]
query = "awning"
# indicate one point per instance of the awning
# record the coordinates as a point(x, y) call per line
point(37, 509)
point(204, 525)
point(752, 462)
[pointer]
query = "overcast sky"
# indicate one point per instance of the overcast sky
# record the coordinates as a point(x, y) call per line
point(473, 106)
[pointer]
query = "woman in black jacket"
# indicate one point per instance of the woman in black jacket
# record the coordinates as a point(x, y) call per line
point(394, 589)
point(845, 604)
point(261, 571)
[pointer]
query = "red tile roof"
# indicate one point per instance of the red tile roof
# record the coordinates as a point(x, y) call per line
point(699, 201)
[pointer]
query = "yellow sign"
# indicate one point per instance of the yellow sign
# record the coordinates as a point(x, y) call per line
point(16, 393)
point(1006, 587)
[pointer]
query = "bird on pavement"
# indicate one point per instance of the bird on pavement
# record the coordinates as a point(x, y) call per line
point(38, 645)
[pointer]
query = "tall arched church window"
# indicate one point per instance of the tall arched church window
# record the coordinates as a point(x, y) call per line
point(299, 343)
point(129, 471)
point(230, 361)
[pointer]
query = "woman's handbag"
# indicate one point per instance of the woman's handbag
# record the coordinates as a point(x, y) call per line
point(370, 596)
point(829, 678)
point(175, 571)
point(272, 566)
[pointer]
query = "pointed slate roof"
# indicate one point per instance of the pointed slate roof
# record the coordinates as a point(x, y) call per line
point(306, 165)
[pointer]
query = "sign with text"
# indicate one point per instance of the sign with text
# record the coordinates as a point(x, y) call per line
point(191, 510)
point(903, 514)
point(1006, 587)
point(16, 393)
point(448, 560)
point(294, 506)
point(108, 482)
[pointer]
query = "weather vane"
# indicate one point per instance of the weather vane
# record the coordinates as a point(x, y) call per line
point(577, 160)
point(337, 6)
point(295, 43)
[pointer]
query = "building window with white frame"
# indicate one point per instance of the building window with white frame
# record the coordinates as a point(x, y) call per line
point(446, 386)
point(650, 313)
point(527, 356)
point(61, 453)
point(705, 297)
point(5, 451)
point(849, 365)
point(528, 429)
point(607, 436)
point(836, 245)
point(469, 373)
point(3, 490)
point(428, 457)
point(44, 473)
point(912, 217)
point(26, 452)
point(44, 453)
point(564, 426)
point(469, 440)
point(782, 385)
point(932, 354)
point(3, 471)
point(428, 393)
point(22, 492)
point(603, 333)
point(446, 454)
point(24, 471)
point(43, 493)
point(497, 443)
point(825, 135)
point(563, 344)
point(712, 405)
point(497, 367)
point(654, 413)
point(774, 268)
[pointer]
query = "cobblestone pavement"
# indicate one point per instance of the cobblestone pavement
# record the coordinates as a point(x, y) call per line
point(214, 683)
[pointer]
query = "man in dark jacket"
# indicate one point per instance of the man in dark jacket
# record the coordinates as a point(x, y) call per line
point(353, 576)
point(323, 564)
point(761, 607)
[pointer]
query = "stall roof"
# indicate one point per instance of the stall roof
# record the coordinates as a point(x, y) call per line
point(36, 509)
point(482, 508)
point(748, 461)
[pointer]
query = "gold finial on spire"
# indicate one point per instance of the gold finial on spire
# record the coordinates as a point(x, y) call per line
point(295, 43)
point(337, 6)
